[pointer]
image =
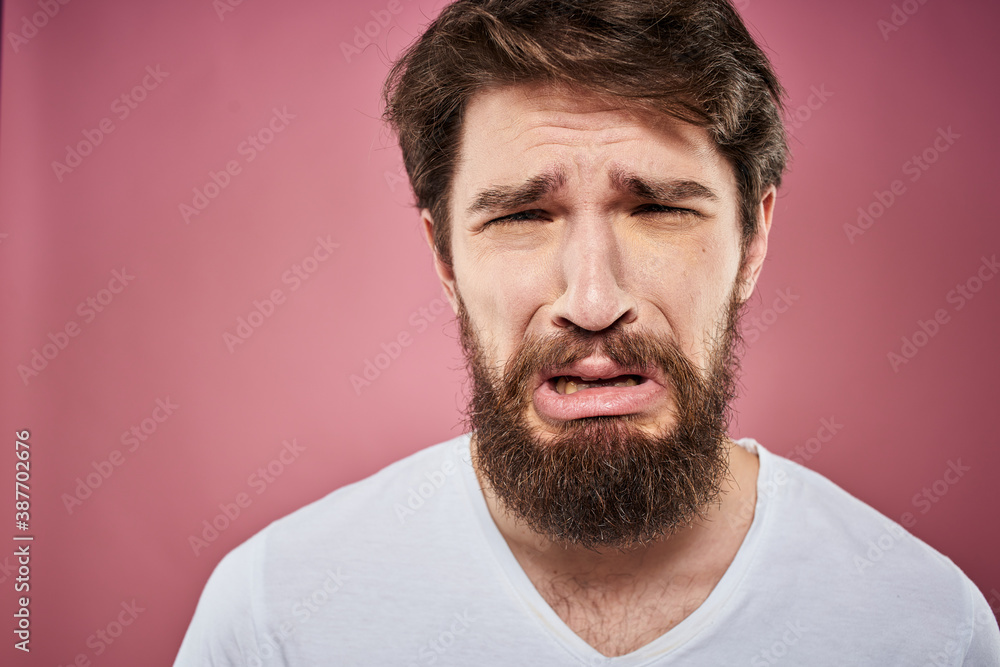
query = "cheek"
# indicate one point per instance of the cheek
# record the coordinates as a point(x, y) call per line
point(502, 295)
point(685, 284)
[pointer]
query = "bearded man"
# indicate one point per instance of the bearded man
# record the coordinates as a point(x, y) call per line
point(596, 179)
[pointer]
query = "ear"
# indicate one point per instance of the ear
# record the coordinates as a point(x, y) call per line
point(757, 250)
point(445, 273)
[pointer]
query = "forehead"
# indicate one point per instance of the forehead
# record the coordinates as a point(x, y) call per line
point(513, 131)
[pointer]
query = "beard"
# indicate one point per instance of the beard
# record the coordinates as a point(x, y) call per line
point(603, 481)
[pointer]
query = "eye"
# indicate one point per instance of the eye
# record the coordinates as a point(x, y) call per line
point(520, 216)
point(662, 208)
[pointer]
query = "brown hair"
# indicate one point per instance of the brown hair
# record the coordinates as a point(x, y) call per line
point(691, 59)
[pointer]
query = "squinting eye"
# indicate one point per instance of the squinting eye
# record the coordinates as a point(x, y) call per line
point(660, 208)
point(520, 216)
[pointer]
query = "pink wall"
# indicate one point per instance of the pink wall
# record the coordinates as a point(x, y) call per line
point(279, 71)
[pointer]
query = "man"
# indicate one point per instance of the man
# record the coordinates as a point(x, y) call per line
point(597, 181)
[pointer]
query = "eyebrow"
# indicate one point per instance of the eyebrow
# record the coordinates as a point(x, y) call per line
point(661, 190)
point(507, 197)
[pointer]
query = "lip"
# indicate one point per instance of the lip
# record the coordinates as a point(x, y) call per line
point(597, 401)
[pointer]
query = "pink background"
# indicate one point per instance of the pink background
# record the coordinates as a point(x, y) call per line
point(332, 171)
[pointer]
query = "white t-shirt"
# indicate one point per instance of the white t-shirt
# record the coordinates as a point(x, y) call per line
point(408, 568)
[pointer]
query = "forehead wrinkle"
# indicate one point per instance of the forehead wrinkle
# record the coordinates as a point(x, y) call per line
point(606, 135)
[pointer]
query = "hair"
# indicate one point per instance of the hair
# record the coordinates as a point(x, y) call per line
point(693, 60)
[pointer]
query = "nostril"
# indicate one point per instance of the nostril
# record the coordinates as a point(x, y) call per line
point(593, 312)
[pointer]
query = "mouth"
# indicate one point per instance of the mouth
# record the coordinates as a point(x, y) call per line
point(570, 384)
point(596, 387)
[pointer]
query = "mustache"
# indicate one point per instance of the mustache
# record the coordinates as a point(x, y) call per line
point(637, 350)
point(629, 347)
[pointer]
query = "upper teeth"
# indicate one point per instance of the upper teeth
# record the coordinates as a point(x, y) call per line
point(566, 386)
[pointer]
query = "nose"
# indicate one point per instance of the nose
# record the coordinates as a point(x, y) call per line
point(593, 267)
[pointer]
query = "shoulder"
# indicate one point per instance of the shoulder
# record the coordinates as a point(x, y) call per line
point(845, 553)
point(830, 517)
point(379, 503)
point(354, 533)
point(826, 517)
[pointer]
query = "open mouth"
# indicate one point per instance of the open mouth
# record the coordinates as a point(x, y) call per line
point(596, 387)
point(570, 384)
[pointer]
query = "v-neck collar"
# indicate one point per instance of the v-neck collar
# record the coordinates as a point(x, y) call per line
point(706, 615)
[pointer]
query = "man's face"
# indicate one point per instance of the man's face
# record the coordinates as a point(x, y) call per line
point(596, 251)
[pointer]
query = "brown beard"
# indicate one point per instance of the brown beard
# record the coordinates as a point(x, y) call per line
point(603, 481)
